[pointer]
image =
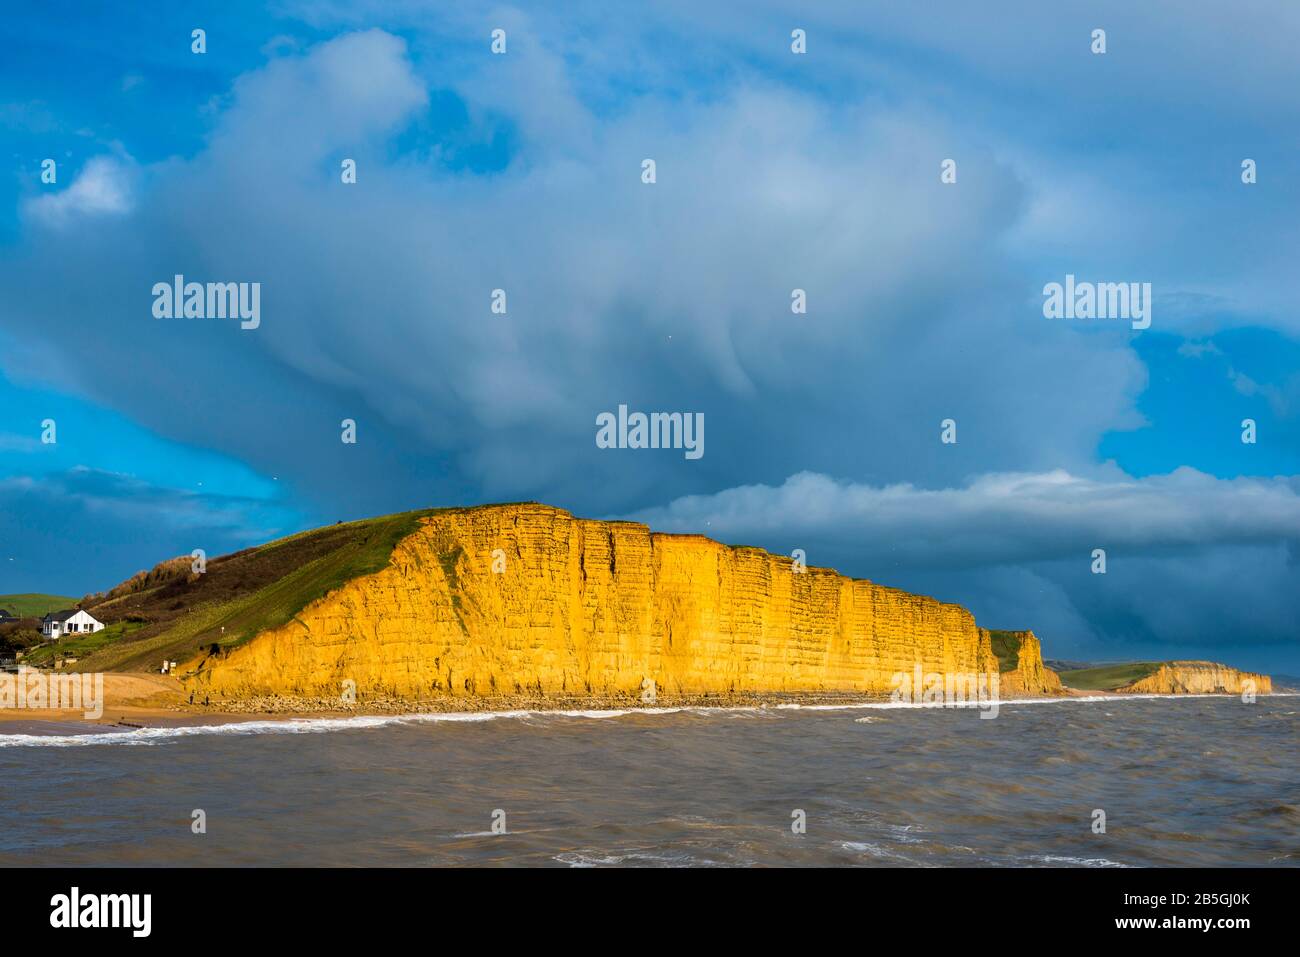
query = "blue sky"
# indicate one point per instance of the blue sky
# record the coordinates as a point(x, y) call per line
point(775, 171)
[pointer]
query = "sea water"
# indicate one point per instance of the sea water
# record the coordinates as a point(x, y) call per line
point(1205, 780)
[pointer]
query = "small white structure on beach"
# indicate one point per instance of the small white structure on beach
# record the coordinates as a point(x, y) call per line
point(74, 621)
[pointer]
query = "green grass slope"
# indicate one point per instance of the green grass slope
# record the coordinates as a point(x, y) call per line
point(172, 613)
point(1007, 647)
point(1108, 677)
point(32, 605)
point(80, 646)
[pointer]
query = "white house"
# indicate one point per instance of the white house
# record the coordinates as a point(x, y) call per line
point(74, 621)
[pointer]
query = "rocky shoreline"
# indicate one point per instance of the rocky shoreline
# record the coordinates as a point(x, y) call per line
point(288, 704)
point(371, 705)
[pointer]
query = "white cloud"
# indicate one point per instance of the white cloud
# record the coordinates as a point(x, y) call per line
point(999, 518)
point(102, 187)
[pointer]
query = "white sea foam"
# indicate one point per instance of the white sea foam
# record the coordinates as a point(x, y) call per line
point(150, 736)
point(583, 859)
point(875, 850)
point(1059, 859)
point(153, 736)
point(598, 859)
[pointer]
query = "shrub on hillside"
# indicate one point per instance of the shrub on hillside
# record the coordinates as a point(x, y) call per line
point(164, 573)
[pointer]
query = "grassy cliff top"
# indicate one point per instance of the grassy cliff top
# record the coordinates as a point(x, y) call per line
point(1006, 645)
point(171, 613)
point(1108, 677)
point(32, 604)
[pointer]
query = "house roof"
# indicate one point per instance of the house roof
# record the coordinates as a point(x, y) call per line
point(62, 615)
point(4, 613)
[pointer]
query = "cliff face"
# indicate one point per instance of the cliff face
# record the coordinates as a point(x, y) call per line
point(1198, 677)
point(597, 608)
point(1028, 675)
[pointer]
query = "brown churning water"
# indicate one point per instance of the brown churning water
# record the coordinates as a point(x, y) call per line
point(1182, 781)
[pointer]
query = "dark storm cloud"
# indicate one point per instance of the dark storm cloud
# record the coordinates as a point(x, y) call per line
point(673, 296)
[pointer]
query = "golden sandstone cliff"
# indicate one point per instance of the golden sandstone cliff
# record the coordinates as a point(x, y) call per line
point(591, 608)
point(1199, 677)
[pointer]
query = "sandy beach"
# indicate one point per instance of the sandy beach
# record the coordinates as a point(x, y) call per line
point(150, 700)
point(142, 699)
